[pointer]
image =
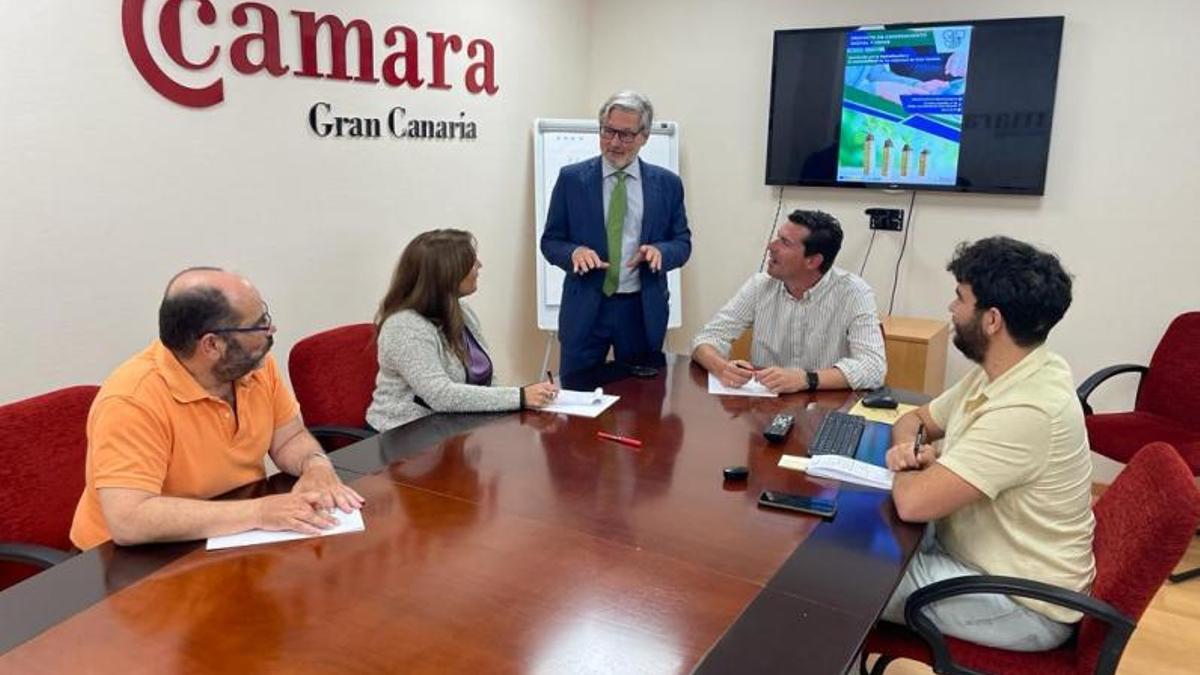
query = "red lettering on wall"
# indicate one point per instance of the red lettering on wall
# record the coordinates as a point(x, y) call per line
point(169, 31)
point(135, 43)
point(239, 51)
point(409, 55)
point(400, 68)
point(440, 43)
point(485, 70)
point(310, 26)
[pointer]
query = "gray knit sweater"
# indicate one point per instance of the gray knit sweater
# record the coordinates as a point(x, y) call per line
point(415, 360)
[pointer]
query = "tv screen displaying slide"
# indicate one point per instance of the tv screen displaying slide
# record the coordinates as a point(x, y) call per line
point(961, 106)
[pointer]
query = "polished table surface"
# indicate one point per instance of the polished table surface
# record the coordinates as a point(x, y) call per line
point(509, 543)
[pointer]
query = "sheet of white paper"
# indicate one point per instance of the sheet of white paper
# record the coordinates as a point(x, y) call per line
point(347, 522)
point(581, 403)
point(751, 388)
point(569, 397)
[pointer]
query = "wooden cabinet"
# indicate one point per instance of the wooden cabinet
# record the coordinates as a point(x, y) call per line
point(916, 353)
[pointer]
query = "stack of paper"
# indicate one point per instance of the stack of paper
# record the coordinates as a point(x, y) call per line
point(581, 403)
point(840, 468)
point(751, 388)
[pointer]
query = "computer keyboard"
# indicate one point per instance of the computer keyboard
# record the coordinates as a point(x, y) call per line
point(837, 435)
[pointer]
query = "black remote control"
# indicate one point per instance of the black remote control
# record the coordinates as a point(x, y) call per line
point(779, 427)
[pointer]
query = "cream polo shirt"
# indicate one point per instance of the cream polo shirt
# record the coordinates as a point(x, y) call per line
point(1021, 441)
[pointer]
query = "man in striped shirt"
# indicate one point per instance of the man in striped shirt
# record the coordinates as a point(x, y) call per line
point(815, 325)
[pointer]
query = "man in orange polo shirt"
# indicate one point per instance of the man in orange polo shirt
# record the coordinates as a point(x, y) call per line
point(191, 417)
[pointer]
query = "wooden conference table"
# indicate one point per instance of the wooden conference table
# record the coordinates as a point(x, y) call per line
point(509, 543)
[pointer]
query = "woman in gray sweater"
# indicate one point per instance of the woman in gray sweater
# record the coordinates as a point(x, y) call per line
point(432, 355)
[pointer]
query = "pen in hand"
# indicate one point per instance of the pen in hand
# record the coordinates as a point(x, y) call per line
point(918, 442)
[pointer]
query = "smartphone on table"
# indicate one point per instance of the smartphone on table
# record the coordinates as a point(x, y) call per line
point(825, 508)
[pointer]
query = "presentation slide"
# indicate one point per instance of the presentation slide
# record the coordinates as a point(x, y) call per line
point(902, 105)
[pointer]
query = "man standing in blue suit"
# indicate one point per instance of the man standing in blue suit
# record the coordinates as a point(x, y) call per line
point(616, 225)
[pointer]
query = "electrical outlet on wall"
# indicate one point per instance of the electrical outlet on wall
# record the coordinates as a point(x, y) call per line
point(886, 219)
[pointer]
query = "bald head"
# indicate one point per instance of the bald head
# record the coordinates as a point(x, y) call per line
point(229, 283)
point(200, 300)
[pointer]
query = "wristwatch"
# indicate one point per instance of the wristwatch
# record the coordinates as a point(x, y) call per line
point(813, 380)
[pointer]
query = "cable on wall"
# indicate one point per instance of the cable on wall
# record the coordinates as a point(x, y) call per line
point(774, 224)
point(904, 245)
point(870, 245)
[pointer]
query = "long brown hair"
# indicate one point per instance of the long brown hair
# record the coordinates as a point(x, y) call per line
point(427, 279)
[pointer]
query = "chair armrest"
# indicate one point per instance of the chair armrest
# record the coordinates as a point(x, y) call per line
point(1120, 627)
point(31, 554)
point(1085, 389)
point(330, 432)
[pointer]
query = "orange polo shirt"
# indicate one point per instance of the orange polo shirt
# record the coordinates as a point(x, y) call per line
point(152, 427)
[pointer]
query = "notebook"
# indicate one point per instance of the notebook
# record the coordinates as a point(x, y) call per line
point(840, 468)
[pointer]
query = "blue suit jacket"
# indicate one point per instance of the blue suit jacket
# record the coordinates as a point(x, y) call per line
point(576, 218)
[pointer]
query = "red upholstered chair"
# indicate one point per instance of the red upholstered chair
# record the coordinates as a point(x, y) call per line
point(1144, 522)
point(1168, 399)
point(333, 375)
point(43, 446)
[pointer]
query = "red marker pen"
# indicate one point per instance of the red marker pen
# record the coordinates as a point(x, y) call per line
point(623, 440)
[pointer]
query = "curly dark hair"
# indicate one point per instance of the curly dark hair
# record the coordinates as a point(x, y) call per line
point(824, 235)
point(1029, 287)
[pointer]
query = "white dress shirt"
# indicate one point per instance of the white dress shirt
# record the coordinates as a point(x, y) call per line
point(833, 324)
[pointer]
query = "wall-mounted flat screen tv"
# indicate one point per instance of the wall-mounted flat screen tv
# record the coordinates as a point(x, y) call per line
point(962, 106)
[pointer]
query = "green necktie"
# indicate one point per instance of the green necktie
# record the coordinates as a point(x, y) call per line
point(615, 224)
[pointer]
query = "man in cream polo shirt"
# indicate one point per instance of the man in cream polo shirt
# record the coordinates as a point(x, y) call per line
point(1010, 491)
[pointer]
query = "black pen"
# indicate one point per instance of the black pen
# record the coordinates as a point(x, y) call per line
point(918, 442)
point(550, 376)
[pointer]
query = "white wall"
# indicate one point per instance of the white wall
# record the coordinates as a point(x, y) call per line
point(106, 188)
point(1119, 194)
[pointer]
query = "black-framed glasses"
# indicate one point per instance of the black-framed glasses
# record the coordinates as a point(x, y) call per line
point(263, 325)
point(626, 136)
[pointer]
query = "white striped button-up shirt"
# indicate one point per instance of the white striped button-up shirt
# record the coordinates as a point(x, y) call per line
point(833, 324)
